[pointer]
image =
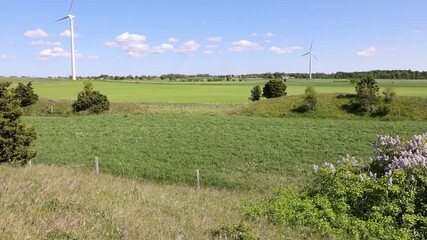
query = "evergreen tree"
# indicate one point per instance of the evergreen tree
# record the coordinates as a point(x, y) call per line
point(15, 137)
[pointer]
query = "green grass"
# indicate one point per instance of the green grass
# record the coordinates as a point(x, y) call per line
point(247, 153)
point(203, 92)
point(331, 106)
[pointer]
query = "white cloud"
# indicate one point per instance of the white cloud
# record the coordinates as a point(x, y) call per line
point(255, 34)
point(110, 44)
point(267, 41)
point(284, 50)
point(368, 52)
point(135, 45)
point(210, 52)
point(211, 46)
point(67, 33)
point(45, 43)
point(93, 57)
point(52, 53)
point(269, 34)
point(7, 57)
point(244, 45)
point(189, 47)
point(38, 33)
point(173, 40)
point(214, 39)
point(418, 31)
point(130, 38)
point(162, 48)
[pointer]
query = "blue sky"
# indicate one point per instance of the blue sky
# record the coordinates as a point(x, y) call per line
point(153, 37)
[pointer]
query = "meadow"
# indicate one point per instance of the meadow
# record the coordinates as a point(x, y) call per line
point(232, 152)
point(226, 92)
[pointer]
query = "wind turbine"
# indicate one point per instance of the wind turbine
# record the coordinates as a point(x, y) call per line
point(73, 55)
point(311, 60)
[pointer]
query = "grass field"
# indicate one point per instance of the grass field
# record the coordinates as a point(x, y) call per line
point(205, 92)
point(230, 151)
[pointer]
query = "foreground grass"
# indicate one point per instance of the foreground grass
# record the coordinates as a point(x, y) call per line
point(42, 202)
point(235, 152)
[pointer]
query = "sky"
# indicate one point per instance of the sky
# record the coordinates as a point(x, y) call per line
point(154, 37)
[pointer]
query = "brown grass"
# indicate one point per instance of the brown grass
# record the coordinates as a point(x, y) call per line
point(44, 202)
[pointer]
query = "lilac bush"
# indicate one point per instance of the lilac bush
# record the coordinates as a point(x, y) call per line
point(383, 198)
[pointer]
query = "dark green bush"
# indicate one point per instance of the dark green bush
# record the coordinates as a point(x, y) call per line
point(15, 138)
point(255, 94)
point(26, 95)
point(385, 198)
point(90, 100)
point(366, 95)
point(274, 88)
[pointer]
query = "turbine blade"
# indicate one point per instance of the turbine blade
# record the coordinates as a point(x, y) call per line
point(305, 54)
point(71, 6)
point(314, 56)
point(311, 46)
point(62, 19)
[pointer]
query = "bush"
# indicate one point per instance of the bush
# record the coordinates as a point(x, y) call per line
point(90, 100)
point(240, 232)
point(367, 100)
point(274, 88)
point(25, 94)
point(310, 99)
point(255, 94)
point(15, 138)
point(385, 198)
point(389, 95)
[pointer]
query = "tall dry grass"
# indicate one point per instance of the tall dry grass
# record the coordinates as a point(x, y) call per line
point(45, 202)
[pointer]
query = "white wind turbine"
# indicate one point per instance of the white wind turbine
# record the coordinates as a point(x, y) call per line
point(311, 60)
point(73, 55)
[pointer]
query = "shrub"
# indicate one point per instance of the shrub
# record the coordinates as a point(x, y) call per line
point(25, 94)
point(274, 88)
point(90, 100)
point(367, 100)
point(310, 99)
point(15, 138)
point(240, 232)
point(385, 198)
point(389, 95)
point(255, 94)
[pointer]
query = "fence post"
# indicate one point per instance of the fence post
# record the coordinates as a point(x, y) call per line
point(97, 165)
point(197, 180)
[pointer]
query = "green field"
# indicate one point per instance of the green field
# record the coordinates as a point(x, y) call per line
point(230, 151)
point(205, 92)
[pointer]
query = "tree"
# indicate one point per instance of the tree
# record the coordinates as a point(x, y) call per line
point(274, 88)
point(25, 94)
point(367, 97)
point(15, 137)
point(255, 93)
point(90, 100)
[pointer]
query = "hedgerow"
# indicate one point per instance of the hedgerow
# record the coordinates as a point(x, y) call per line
point(385, 198)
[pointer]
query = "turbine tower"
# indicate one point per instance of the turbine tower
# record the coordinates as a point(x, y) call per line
point(311, 60)
point(73, 55)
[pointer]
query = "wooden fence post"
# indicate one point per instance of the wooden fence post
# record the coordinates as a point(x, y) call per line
point(97, 165)
point(197, 180)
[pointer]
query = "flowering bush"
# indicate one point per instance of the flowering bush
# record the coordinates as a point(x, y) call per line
point(385, 198)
